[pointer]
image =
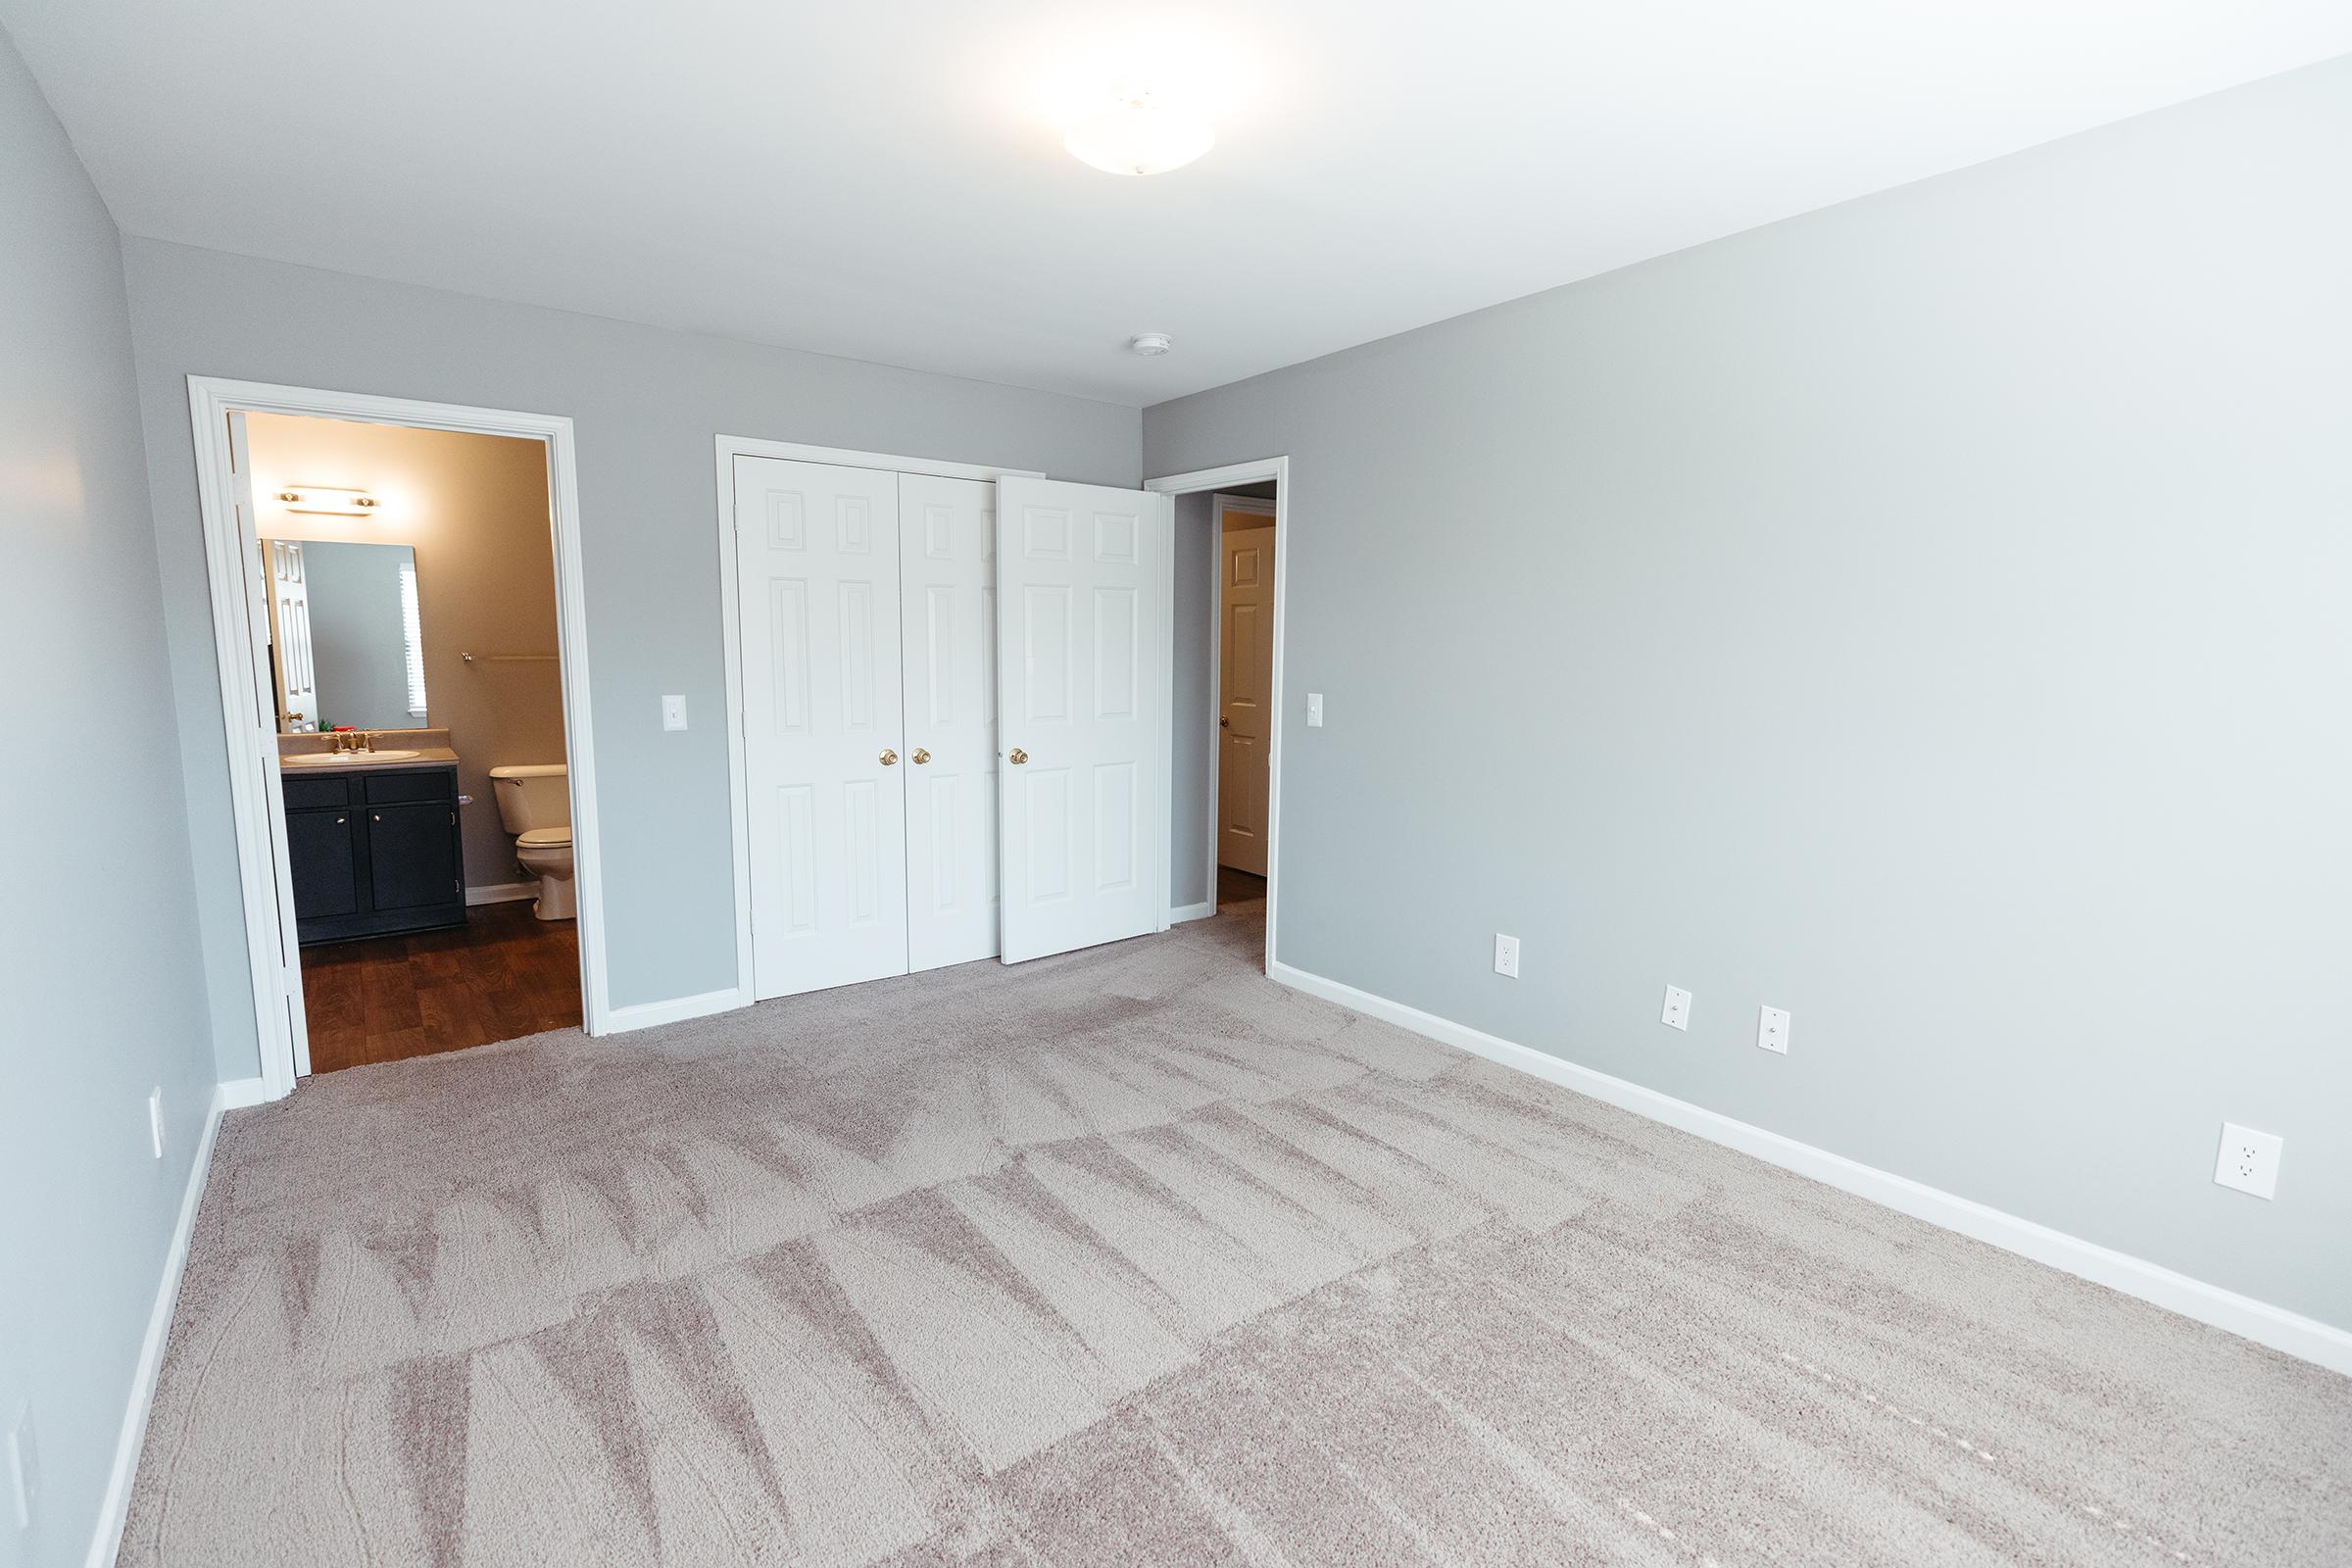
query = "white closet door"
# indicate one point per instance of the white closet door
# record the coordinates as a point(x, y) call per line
point(948, 600)
point(1085, 715)
point(817, 551)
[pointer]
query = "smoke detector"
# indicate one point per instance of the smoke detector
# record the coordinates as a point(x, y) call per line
point(1150, 345)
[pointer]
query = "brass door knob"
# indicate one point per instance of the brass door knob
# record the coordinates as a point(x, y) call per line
point(921, 756)
point(1224, 723)
point(890, 758)
point(1016, 757)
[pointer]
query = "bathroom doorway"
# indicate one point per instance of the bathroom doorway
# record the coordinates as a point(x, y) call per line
point(396, 611)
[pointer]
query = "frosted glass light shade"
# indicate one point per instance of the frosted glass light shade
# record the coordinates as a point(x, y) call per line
point(1140, 137)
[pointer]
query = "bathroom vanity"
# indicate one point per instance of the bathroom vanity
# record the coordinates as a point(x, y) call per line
point(373, 847)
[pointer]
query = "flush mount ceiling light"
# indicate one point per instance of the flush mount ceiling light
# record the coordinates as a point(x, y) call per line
point(1150, 345)
point(1139, 135)
point(318, 498)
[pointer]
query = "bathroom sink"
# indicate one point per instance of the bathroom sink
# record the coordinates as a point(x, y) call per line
point(346, 758)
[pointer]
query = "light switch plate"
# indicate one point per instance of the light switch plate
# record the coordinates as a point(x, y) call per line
point(673, 712)
point(1677, 1012)
point(155, 1118)
point(1771, 1030)
point(1314, 710)
point(2249, 1160)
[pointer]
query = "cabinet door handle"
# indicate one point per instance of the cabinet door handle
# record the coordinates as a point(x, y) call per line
point(340, 821)
point(376, 818)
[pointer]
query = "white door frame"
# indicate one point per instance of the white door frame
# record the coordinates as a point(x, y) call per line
point(1218, 506)
point(1227, 477)
point(256, 797)
point(729, 448)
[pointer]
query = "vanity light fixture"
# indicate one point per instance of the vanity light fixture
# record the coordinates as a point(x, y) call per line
point(320, 498)
point(1139, 135)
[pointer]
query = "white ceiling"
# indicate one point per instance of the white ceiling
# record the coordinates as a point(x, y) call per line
point(886, 179)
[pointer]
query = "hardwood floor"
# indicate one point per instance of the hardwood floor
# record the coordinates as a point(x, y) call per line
point(1233, 886)
point(506, 974)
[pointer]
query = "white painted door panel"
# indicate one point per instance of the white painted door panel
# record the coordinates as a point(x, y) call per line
point(1244, 683)
point(816, 551)
point(1084, 715)
point(290, 635)
point(947, 608)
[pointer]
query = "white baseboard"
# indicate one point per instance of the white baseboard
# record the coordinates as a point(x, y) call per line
point(502, 893)
point(2281, 1330)
point(646, 1014)
point(238, 1093)
point(113, 1510)
point(1191, 912)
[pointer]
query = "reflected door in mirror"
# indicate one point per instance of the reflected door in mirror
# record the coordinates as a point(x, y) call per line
point(347, 636)
point(290, 637)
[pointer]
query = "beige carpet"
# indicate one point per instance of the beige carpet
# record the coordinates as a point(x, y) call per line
point(1133, 1257)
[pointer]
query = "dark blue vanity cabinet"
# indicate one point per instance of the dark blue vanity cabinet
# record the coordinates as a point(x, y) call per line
point(374, 853)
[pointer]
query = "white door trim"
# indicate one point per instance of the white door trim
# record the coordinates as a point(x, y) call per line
point(257, 801)
point(1277, 469)
point(744, 446)
point(729, 448)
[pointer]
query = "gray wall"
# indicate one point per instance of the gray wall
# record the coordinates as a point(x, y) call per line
point(98, 956)
point(358, 646)
point(646, 404)
point(1194, 744)
point(1927, 615)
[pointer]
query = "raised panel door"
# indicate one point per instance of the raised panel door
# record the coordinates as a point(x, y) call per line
point(1085, 702)
point(817, 550)
point(947, 604)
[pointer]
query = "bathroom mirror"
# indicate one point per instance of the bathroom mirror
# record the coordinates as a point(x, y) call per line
point(346, 635)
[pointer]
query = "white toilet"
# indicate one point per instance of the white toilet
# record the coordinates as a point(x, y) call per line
point(534, 801)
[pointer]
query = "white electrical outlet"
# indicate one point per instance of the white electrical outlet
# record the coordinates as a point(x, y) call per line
point(2249, 1160)
point(1507, 954)
point(23, 1466)
point(673, 712)
point(155, 1118)
point(1771, 1030)
point(1676, 1014)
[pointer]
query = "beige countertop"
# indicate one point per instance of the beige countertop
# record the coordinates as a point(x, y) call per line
point(363, 763)
point(431, 747)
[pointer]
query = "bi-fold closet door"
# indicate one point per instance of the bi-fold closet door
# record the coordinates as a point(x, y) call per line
point(1084, 821)
point(866, 606)
point(947, 594)
point(884, 619)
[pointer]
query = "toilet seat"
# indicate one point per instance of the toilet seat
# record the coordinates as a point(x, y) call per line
point(544, 838)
